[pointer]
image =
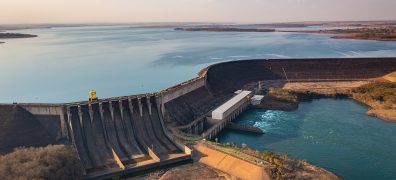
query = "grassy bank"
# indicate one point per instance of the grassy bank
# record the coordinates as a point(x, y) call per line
point(51, 162)
point(380, 96)
point(382, 33)
point(391, 77)
point(288, 99)
point(278, 99)
point(280, 165)
point(185, 138)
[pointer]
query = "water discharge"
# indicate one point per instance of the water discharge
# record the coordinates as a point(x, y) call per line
point(334, 134)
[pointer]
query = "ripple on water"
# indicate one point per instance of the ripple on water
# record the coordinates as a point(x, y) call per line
point(334, 134)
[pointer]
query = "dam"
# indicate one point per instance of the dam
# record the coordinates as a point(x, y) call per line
point(129, 134)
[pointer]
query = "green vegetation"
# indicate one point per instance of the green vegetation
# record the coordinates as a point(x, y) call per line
point(280, 165)
point(291, 96)
point(232, 149)
point(379, 94)
point(15, 35)
point(51, 162)
point(185, 138)
point(258, 157)
point(224, 29)
point(391, 77)
point(282, 95)
point(384, 33)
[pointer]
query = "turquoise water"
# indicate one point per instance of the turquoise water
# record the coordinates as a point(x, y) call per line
point(63, 64)
point(334, 134)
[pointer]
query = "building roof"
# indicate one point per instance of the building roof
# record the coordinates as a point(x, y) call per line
point(230, 103)
point(237, 92)
point(257, 97)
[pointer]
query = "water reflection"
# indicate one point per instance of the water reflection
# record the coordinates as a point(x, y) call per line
point(63, 64)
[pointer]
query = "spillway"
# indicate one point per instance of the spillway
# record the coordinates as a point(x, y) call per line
point(121, 135)
point(78, 136)
point(128, 134)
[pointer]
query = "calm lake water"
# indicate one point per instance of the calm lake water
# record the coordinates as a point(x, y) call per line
point(334, 134)
point(63, 64)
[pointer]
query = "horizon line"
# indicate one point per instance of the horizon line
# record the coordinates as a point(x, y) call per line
point(197, 22)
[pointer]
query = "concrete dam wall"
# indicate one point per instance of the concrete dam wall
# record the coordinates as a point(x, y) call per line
point(128, 134)
point(18, 127)
point(227, 77)
point(122, 134)
point(113, 136)
point(224, 78)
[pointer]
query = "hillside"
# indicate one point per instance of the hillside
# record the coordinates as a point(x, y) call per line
point(58, 162)
point(391, 77)
point(381, 97)
point(18, 127)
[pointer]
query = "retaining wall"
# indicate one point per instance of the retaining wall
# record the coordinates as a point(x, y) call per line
point(181, 89)
point(51, 116)
point(230, 164)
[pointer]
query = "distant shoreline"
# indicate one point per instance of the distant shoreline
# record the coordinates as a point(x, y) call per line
point(15, 36)
point(387, 33)
point(225, 29)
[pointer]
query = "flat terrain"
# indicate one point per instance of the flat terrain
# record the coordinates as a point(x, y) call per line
point(387, 33)
point(364, 30)
point(15, 35)
point(324, 87)
point(381, 97)
point(247, 163)
point(224, 29)
point(195, 171)
point(391, 77)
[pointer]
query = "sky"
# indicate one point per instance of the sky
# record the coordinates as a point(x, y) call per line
point(242, 11)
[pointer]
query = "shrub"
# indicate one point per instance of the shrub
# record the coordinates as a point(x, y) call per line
point(51, 162)
point(384, 92)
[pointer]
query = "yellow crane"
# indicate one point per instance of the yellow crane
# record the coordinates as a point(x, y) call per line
point(92, 96)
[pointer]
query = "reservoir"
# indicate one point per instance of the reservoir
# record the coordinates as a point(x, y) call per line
point(331, 133)
point(63, 64)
